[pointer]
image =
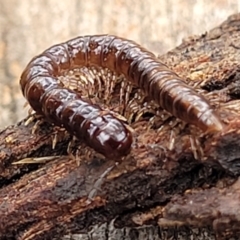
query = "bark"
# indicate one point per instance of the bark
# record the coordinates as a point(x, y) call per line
point(188, 179)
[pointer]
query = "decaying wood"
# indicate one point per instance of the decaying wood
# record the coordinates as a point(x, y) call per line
point(174, 175)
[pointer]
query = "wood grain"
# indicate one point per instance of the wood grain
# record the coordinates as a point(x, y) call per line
point(163, 173)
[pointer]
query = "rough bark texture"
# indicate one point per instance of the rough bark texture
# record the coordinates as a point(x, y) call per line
point(192, 184)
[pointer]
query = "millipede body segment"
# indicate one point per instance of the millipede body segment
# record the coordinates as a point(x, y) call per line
point(98, 129)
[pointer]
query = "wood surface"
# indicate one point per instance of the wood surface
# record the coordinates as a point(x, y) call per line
point(188, 179)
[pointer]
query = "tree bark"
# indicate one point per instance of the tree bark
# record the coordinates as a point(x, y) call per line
point(189, 180)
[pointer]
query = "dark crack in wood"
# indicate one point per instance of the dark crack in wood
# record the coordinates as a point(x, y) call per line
point(193, 184)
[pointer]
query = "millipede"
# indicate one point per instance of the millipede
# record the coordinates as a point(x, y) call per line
point(100, 129)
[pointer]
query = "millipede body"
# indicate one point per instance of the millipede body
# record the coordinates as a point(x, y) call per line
point(99, 129)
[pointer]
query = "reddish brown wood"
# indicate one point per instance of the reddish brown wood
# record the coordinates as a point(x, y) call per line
point(152, 183)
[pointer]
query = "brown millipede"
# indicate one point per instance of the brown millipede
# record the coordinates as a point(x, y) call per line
point(102, 131)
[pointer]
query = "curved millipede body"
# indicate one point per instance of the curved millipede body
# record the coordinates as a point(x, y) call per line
point(102, 131)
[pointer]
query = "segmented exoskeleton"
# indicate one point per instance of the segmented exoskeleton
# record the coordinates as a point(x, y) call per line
point(100, 130)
